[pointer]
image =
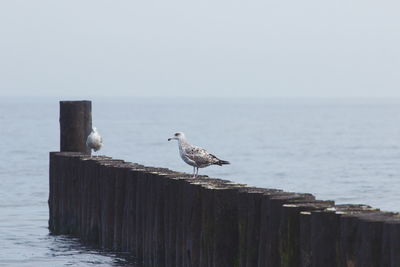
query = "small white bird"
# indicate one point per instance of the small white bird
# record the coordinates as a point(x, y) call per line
point(94, 140)
point(195, 156)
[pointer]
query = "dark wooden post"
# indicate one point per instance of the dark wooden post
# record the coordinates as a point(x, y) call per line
point(75, 125)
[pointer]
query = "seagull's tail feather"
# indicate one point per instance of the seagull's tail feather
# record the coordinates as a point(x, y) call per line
point(222, 162)
point(218, 161)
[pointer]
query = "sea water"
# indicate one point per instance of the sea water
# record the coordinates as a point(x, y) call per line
point(347, 150)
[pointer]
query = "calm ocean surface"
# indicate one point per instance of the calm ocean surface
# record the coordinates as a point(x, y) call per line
point(344, 150)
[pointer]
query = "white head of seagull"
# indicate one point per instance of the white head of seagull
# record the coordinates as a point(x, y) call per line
point(94, 140)
point(195, 156)
point(178, 136)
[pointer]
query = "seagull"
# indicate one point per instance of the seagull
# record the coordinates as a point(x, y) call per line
point(94, 140)
point(195, 156)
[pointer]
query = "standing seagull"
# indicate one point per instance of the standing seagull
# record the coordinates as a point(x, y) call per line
point(94, 140)
point(195, 156)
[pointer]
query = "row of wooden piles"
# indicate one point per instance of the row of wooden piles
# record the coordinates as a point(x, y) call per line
point(169, 219)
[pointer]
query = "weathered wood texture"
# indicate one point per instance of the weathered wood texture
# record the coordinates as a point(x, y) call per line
point(75, 125)
point(166, 218)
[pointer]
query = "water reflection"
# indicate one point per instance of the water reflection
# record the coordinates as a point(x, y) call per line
point(69, 251)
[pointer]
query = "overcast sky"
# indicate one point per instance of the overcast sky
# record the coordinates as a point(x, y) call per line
point(289, 48)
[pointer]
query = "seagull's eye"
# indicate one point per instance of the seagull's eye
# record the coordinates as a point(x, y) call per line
point(177, 134)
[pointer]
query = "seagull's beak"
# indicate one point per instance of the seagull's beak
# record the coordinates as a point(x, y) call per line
point(169, 139)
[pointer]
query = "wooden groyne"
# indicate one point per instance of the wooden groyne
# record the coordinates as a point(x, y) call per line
point(169, 219)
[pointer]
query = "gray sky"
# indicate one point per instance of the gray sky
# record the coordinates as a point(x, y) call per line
point(205, 48)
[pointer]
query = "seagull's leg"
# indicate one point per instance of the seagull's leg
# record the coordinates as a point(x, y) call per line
point(194, 169)
point(197, 171)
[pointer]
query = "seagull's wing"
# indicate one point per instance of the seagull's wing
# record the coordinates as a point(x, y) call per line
point(89, 139)
point(200, 155)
